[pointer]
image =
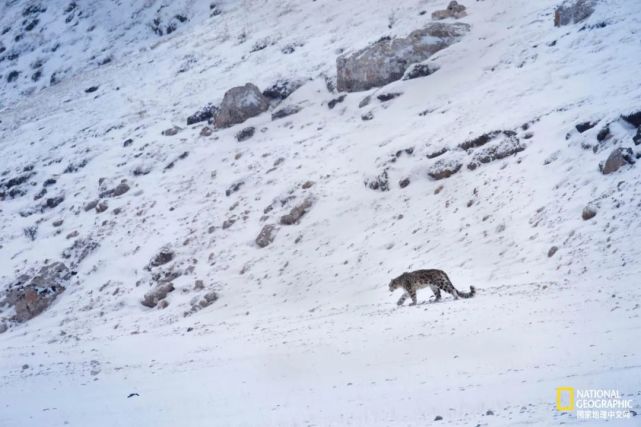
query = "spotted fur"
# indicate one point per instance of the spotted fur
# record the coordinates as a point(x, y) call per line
point(437, 280)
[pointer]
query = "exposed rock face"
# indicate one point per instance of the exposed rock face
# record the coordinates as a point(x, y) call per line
point(266, 236)
point(387, 60)
point(454, 10)
point(617, 159)
point(239, 104)
point(297, 212)
point(573, 11)
point(32, 295)
point(159, 293)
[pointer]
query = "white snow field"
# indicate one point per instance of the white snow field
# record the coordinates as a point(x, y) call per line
point(305, 331)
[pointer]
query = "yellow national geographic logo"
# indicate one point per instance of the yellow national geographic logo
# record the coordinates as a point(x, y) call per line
point(565, 398)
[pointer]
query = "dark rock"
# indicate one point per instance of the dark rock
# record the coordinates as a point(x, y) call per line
point(282, 89)
point(618, 158)
point(171, 131)
point(234, 187)
point(159, 293)
point(102, 206)
point(444, 169)
point(228, 223)
point(297, 212)
point(404, 182)
point(206, 131)
point(573, 11)
point(3, 328)
point(331, 104)
point(307, 184)
point(379, 182)
point(208, 299)
point(367, 116)
point(52, 202)
point(454, 10)
point(245, 134)
point(206, 113)
point(438, 418)
point(49, 182)
point(387, 60)
point(161, 258)
point(266, 236)
point(637, 138)
point(603, 134)
point(365, 101)
point(589, 212)
point(485, 138)
point(239, 104)
point(91, 205)
point(92, 89)
point(416, 71)
point(384, 97)
point(119, 190)
point(286, 111)
point(38, 196)
point(437, 153)
point(634, 119)
point(585, 126)
point(551, 253)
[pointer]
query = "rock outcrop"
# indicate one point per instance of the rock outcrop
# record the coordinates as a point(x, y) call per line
point(387, 60)
point(31, 295)
point(573, 11)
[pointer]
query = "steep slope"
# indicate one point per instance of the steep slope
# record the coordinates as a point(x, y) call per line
point(304, 331)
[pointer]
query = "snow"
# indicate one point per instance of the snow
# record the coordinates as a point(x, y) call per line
point(305, 331)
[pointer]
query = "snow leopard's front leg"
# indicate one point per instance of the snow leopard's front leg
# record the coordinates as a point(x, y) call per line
point(402, 299)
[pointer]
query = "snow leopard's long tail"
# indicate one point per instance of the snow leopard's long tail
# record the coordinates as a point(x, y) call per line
point(469, 294)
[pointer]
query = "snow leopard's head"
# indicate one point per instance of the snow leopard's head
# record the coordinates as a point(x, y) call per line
point(395, 284)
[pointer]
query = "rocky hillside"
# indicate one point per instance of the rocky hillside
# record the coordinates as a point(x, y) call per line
point(197, 193)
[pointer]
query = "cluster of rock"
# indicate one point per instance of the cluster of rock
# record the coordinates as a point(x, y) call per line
point(31, 294)
point(387, 60)
point(573, 11)
point(268, 232)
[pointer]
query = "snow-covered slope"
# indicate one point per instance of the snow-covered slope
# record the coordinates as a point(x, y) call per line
point(304, 331)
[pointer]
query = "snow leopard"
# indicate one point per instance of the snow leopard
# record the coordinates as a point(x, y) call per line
point(437, 280)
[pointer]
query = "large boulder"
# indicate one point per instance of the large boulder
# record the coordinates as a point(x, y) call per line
point(618, 158)
point(31, 295)
point(239, 104)
point(387, 60)
point(573, 11)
